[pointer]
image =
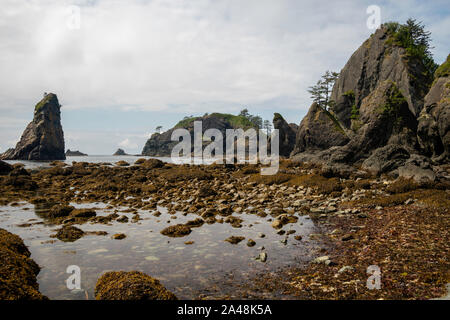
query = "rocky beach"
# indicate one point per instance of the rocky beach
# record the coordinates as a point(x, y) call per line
point(356, 208)
point(361, 220)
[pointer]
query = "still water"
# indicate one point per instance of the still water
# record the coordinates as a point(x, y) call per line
point(209, 266)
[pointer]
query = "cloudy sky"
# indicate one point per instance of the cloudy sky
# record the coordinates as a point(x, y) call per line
point(121, 68)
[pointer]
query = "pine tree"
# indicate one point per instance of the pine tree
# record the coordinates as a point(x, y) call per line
point(321, 92)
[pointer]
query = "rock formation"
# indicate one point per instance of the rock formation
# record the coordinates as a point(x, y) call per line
point(319, 130)
point(132, 285)
point(70, 153)
point(385, 117)
point(434, 121)
point(17, 270)
point(43, 138)
point(120, 152)
point(287, 134)
point(160, 145)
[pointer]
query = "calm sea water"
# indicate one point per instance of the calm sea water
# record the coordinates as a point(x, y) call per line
point(92, 159)
point(209, 266)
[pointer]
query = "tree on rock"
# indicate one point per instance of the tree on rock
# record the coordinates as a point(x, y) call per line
point(321, 92)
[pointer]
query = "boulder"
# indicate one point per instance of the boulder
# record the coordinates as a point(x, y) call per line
point(386, 159)
point(5, 168)
point(132, 285)
point(419, 168)
point(43, 138)
point(18, 272)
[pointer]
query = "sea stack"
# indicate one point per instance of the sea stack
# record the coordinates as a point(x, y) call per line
point(120, 152)
point(43, 138)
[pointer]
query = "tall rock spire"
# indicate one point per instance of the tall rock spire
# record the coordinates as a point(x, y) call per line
point(43, 138)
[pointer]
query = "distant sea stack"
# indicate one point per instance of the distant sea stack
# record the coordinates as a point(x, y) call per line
point(120, 152)
point(43, 138)
point(70, 153)
point(161, 144)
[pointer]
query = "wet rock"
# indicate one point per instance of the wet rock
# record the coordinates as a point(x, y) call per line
point(347, 237)
point(83, 213)
point(119, 236)
point(251, 243)
point(133, 285)
point(69, 234)
point(122, 163)
point(60, 210)
point(122, 219)
point(156, 213)
point(179, 230)
point(234, 239)
point(5, 168)
point(17, 271)
point(153, 163)
point(298, 237)
point(195, 223)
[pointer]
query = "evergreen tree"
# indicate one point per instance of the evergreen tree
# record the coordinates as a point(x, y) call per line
point(321, 92)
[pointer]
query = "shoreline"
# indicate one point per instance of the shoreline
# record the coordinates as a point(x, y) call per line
point(360, 218)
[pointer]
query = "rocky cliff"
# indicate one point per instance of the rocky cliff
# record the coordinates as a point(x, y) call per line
point(43, 138)
point(161, 145)
point(387, 116)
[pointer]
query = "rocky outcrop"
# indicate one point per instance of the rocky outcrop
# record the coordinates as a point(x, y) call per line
point(43, 138)
point(161, 144)
point(70, 153)
point(384, 118)
point(5, 168)
point(377, 60)
point(319, 130)
point(17, 270)
point(434, 121)
point(133, 285)
point(287, 134)
point(120, 152)
point(378, 98)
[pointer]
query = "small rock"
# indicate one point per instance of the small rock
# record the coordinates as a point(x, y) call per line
point(263, 257)
point(251, 243)
point(119, 236)
point(234, 239)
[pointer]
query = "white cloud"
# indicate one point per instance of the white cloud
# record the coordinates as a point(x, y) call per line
point(128, 144)
point(181, 57)
point(154, 55)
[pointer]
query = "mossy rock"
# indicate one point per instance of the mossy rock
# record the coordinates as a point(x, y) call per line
point(133, 285)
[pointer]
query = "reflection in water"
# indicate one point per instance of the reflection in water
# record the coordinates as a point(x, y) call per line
point(208, 265)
